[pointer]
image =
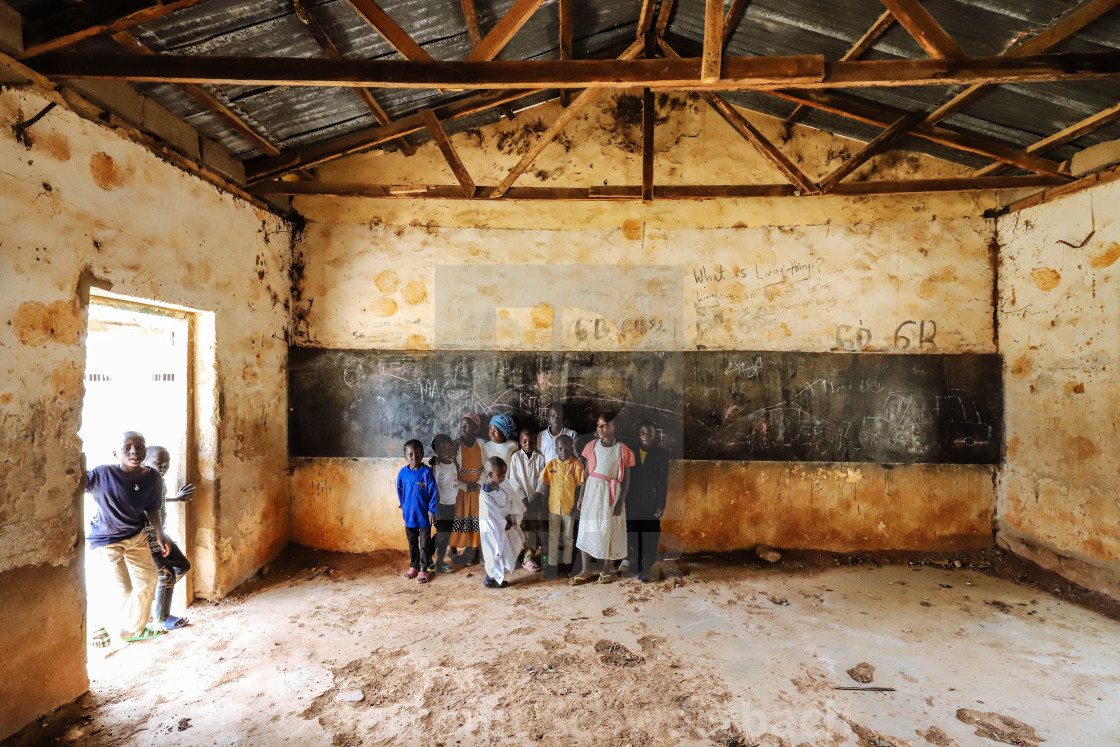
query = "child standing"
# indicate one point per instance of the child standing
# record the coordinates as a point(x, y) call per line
point(602, 527)
point(419, 501)
point(174, 565)
point(501, 443)
point(546, 439)
point(525, 470)
point(464, 528)
point(499, 511)
point(645, 503)
point(446, 471)
point(560, 485)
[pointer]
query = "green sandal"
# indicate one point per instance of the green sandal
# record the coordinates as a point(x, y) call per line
point(146, 634)
point(100, 638)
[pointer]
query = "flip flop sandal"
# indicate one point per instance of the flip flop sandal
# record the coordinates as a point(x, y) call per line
point(423, 577)
point(100, 638)
point(530, 566)
point(606, 578)
point(411, 573)
point(146, 634)
point(174, 623)
point(578, 580)
point(445, 568)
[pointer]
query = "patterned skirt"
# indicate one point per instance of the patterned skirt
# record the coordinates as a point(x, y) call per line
point(464, 529)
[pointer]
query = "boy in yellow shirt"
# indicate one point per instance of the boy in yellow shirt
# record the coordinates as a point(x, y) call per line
point(560, 483)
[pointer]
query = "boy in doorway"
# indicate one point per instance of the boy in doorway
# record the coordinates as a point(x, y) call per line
point(126, 495)
point(174, 565)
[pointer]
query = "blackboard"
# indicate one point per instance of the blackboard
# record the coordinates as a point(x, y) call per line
point(734, 405)
point(844, 407)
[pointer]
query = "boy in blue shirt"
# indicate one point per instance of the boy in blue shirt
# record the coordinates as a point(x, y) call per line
point(127, 497)
point(419, 501)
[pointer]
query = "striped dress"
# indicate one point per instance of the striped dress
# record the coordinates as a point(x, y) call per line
point(464, 528)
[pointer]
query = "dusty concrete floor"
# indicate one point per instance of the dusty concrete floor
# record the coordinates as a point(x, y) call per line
point(732, 654)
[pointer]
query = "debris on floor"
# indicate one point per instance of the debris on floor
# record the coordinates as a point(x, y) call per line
point(1000, 728)
point(862, 672)
point(767, 553)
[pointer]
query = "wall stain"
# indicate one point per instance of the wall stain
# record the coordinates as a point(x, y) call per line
point(1083, 448)
point(1107, 256)
point(36, 323)
point(387, 282)
point(633, 229)
point(105, 171)
point(1046, 278)
point(383, 306)
point(415, 292)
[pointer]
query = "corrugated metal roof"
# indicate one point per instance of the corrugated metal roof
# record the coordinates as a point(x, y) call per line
point(1015, 115)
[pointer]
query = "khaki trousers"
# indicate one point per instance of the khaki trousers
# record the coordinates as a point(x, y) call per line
point(129, 566)
point(560, 533)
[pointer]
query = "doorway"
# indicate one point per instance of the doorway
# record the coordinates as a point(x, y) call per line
point(138, 371)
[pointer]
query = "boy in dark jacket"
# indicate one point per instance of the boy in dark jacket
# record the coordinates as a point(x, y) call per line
point(645, 503)
point(419, 499)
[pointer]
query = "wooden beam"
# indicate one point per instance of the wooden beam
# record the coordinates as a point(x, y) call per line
point(882, 142)
point(649, 118)
point(388, 28)
point(645, 18)
point(503, 30)
point(869, 114)
point(567, 115)
point(1110, 174)
point(924, 28)
point(733, 18)
point(91, 18)
point(204, 98)
point(861, 45)
point(304, 14)
point(738, 73)
point(470, 18)
point(1063, 136)
point(319, 153)
point(565, 12)
point(751, 134)
point(431, 121)
point(634, 192)
point(663, 16)
point(713, 41)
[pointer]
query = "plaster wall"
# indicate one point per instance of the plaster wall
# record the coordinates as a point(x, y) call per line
point(80, 207)
point(1059, 300)
point(817, 274)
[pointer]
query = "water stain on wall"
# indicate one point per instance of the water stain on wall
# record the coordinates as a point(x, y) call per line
point(387, 282)
point(1107, 256)
point(415, 292)
point(105, 171)
point(383, 306)
point(37, 323)
point(1046, 278)
point(1083, 448)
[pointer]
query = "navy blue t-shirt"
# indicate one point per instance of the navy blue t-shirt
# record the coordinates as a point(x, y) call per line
point(122, 502)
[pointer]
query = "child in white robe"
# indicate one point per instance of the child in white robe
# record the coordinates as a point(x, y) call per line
point(499, 519)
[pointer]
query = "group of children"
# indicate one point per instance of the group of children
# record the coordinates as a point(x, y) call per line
point(533, 501)
point(127, 540)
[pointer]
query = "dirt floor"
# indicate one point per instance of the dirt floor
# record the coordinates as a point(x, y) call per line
point(333, 649)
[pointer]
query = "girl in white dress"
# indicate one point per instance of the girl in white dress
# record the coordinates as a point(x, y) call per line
point(602, 506)
point(499, 514)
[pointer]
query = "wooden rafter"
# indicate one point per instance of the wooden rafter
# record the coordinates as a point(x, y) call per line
point(733, 18)
point(92, 18)
point(564, 8)
point(431, 121)
point(663, 16)
point(204, 98)
point(397, 37)
point(567, 115)
point(649, 118)
point(470, 17)
point(503, 30)
point(634, 192)
point(1060, 30)
point(645, 17)
point(864, 43)
point(882, 142)
point(1063, 136)
point(751, 134)
point(713, 41)
point(873, 115)
point(319, 153)
point(913, 17)
point(304, 14)
point(738, 73)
